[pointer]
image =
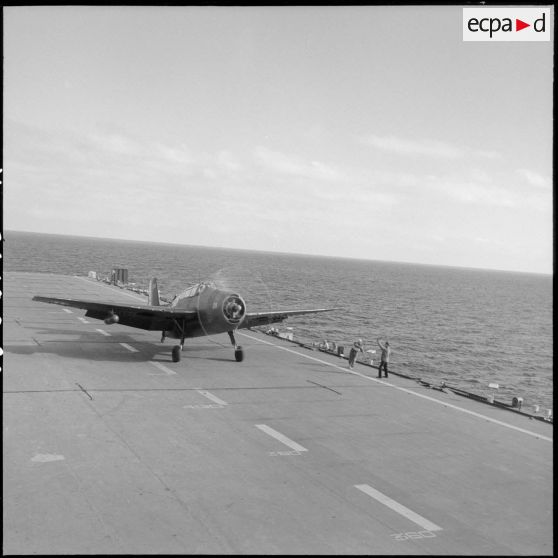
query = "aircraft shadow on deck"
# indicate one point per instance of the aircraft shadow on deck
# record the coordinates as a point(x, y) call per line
point(108, 349)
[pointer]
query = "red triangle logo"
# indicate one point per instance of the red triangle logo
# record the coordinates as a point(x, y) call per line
point(519, 25)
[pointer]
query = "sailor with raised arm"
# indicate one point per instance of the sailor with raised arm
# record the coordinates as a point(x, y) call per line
point(384, 360)
point(357, 346)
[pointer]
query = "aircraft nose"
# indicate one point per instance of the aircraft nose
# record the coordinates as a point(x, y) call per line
point(234, 309)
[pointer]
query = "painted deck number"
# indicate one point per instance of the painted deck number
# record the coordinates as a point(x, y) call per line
point(413, 535)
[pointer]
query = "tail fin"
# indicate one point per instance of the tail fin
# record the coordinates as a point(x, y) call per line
point(153, 298)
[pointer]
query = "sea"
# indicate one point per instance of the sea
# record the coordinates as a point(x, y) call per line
point(466, 327)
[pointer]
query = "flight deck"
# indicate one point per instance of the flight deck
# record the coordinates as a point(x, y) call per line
point(110, 447)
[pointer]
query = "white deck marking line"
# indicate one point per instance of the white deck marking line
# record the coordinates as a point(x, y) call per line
point(416, 394)
point(163, 368)
point(83, 320)
point(47, 457)
point(399, 508)
point(212, 397)
point(103, 332)
point(131, 349)
point(281, 437)
point(67, 310)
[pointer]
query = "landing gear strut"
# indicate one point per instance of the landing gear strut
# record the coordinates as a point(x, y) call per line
point(238, 352)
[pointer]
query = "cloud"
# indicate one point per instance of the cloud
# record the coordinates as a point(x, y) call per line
point(534, 179)
point(115, 185)
point(497, 190)
point(228, 161)
point(283, 164)
point(474, 191)
point(111, 177)
point(424, 147)
point(487, 242)
point(429, 148)
point(113, 169)
point(176, 155)
point(114, 143)
point(318, 186)
point(485, 154)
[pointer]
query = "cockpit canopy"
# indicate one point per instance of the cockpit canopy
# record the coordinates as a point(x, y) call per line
point(193, 291)
point(196, 290)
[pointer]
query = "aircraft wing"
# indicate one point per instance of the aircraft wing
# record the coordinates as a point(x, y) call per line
point(155, 318)
point(253, 319)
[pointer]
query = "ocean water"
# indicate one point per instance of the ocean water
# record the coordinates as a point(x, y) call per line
point(467, 327)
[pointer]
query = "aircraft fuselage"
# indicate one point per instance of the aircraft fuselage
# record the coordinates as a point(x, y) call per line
point(218, 310)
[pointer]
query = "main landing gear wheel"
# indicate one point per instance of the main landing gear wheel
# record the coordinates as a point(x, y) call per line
point(239, 354)
point(176, 353)
point(180, 327)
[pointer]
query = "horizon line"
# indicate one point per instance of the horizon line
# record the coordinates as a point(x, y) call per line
point(549, 274)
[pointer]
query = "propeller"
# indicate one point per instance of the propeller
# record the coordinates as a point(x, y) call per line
point(249, 292)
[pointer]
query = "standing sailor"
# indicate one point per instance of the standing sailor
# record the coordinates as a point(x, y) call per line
point(386, 351)
point(357, 346)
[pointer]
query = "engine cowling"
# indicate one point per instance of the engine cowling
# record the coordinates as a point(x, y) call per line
point(234, 309)
point(217, 310)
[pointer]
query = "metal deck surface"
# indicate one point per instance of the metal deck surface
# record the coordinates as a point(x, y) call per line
point(110, 447)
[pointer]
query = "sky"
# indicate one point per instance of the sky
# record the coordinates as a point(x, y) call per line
point(369, 132)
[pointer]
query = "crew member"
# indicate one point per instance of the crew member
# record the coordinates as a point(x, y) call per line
point(386, 351)
point(357, 346)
